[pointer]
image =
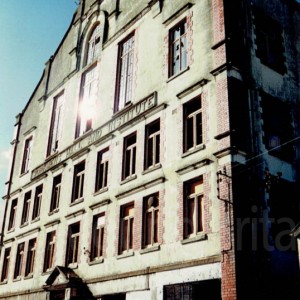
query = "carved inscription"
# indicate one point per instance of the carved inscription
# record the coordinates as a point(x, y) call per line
point(134, 112)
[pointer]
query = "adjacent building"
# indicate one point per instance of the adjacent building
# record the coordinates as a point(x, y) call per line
point(158, 156)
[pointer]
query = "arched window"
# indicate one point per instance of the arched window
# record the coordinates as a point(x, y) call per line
point(93, 45)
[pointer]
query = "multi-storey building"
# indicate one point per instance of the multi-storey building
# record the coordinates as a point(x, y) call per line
point(158, 156)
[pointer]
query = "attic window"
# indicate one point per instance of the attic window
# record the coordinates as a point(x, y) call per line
point(93, 45)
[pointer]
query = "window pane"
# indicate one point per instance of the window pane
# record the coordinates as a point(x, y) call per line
point(125, 66)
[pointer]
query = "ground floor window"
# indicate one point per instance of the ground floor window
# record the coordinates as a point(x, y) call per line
point(208, 289)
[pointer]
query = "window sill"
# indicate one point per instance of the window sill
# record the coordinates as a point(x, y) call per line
point(96, 261)
point(35, 220)
point(132, 177)
point(17, 279)
point(150, 249)
point(83, 135)
point(53, 211)
point(29, 276)
point(52, 155)
point(24, 173)
point(3, 282)
point(125, 254)
point(11, 230)
point(48, 271)
point(73, 265)
point(24, 224)
point(123, 109)
point(79, 200)
point(152, 168)
point(193, 150)
point(199, 237)
point(178, 74)
point(103, 190)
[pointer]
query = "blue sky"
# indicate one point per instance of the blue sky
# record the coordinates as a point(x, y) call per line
point(30, 32)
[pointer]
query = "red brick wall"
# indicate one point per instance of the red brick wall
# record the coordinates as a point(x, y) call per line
point(218, 21)
point(106, 225)
point(205, 116)
point(161, 221)
point(223, 124)
point(189, 23)
point(207, 207)
point(227, 238)
point(138, 224)
point(207, 203)
point(219, 53)
point(180, 216)
point(117, 230)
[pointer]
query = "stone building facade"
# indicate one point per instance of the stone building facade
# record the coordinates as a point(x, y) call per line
point(158, 156)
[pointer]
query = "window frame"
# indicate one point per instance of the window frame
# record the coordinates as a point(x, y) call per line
point(27, 152)
point(50, 251)
point(6, 264)
point(87, 101)
point(197, 221)
point(78, 181)
point(73, 244)
point(129, 156)
point(30, 257)
point(126, 232)
point(172, 41)
point(55, 124)
point(277, 127)
point(269, 42)
point(152, 157)
point(124, 80)
point(26, 208)
point(55, 195)
point(38, 196)
point(197, 127)
point(12, 216)
point(98, 232)
point(154, 212)
point(101, 180)
point(19, 260)
point(93, 43)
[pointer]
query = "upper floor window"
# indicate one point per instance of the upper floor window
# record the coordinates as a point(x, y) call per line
point(19, 260)
point(73, 244)
point(30, 257)
point(178, 48)
point(277, 127)
point(56, 124)
point(26, 208)
point(269, 41)
point(93, 46)
point(129, 156)
point(26, 155)
point(126, 228)
point(87, 101)
point(5, 265)
point(125, 73)
point(78, 181)
point(102, 169)
point(98, 237)
point(152, 144)
point(193, 207)
point(151, 212)
point(192, 115)
point(37, 201)
point(49, 251)
point(13, 213)
point(55, 193)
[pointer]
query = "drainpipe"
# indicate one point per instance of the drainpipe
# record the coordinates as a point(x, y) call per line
point(9, 182)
